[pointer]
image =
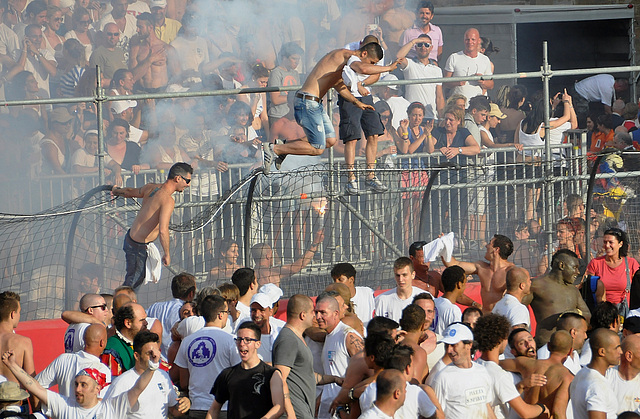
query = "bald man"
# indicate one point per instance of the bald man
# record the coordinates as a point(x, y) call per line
point(590, 392)
point(510, 306)
point(390, 395)
point(93, 309)
point(625, 378)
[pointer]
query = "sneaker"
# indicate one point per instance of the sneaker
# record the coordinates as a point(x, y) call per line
point(351, 188)
point(279, 159)
point(375, 185)
point(268, 156)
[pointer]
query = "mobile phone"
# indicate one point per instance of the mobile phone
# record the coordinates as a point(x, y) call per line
point(371, 27)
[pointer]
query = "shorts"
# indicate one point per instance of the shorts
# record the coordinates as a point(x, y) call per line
point(354, 121)
point(136, 261)
point(314, 121)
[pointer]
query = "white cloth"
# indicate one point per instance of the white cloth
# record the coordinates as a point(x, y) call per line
point(192, 53)
point(60, 407)
point(364, 304)
point(156, 398)
point(503, 388)
point(243, 310)
point(442, 246)
point(40, 73)
point(389, 305)
point(205, 354)
point(446, 313)
point(63, 370)
point(462, 65)
point(590, 391)
point(416, 403)
point(399, 106)
point(627, 392)
point(436, 355)
point(190, 325)
point(153, 265)
point(168, 313)
point(598, 88)
point(512, 309)
point(572, 363)
point(351, 78)
point(335, 359)
point(375, 413)
point(433, 372)
point(464, 393)
point(74, 337)
point(423, 93)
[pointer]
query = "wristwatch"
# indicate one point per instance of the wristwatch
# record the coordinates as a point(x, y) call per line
point(351, 394)
point(459, 150)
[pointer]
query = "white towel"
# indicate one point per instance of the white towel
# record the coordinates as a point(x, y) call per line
point(442, 246)
point(154, 264)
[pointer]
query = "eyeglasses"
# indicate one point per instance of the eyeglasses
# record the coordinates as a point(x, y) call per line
point(246, 340)
point(225, 311)
point(113, 33)
point(423, 44)
point(188, 181)
point(101, 306)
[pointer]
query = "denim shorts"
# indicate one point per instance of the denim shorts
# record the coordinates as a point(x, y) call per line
point(315, 122)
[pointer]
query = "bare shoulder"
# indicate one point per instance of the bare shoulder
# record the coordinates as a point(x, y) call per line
point(148, 189)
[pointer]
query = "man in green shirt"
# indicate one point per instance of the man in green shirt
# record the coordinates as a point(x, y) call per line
point(129, 320)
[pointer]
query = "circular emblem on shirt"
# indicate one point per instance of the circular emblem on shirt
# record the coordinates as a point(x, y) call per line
point(201, 351)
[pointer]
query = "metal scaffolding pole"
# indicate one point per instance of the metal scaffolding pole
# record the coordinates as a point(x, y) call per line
point(548, 163)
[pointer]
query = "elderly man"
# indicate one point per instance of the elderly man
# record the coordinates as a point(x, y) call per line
point(469, 62)
point(93, 305)
point(129, 320)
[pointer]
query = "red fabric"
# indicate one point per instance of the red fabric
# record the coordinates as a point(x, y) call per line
point(614, 280)
point(99, 377)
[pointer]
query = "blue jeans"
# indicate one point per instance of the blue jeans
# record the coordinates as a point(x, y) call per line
point(314, 121)
point(136, 258)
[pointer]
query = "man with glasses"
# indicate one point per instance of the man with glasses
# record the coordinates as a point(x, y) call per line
point(422, 67)
point(204, 354)
point(152, 221)
point(423, 26)
point(109, 56)
point(252, 388)
point(125, 22)
point(94, 306)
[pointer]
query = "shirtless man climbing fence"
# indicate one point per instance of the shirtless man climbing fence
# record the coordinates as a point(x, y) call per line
point(152, 220)
point(308, 103)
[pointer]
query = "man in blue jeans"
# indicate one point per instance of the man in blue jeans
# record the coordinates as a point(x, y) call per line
point(152, 221)
point(308, 104)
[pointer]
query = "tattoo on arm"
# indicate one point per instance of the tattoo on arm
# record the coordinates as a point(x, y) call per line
point(356, 343)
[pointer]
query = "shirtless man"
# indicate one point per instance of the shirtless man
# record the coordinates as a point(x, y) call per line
point(412, 322)
point(394, 22)
point(152, 61)
point(266, 273)
point(493, 275)
point(10, 341)
point(310, 114)
point(152, 220)
point(555, 393)
point(554, 294)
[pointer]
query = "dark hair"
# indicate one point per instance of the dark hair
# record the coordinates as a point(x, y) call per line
point(415, 105)
point(225, 245)
point(413, 318)
point(374, 50)
point(490, 331)
point(401, 262)
point(480, 103)
point(451, 277)
point(146, 17)
point(606, 120)
point(531, 122)
point(243, 278)
point(35, 7)
point(118, 122)
point(78, 13)
point(251, 326)
point(604, 315)
point(76, 51)
point(180, 169)
point(289, 49)
point(379, 324)
point(488, 47)
point(142, 338)
point(380, 346)
point(259, 70)
point(422, 296)
point(425, 5)
point(382, 106)
point(238, 108)
point(559, 255)
point(123, 313)
point(469, 310)
point(621, 236)
point(118, 76)
point(400, 358)
point(9, 302)
point(566, 321)
point(503, 243)
point(182, 284)
point(513, 334)
point(515, 96)
point(345, 269)
point(415, 246)
point(210, 307)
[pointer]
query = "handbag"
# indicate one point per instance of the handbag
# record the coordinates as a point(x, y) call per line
point(623, 306)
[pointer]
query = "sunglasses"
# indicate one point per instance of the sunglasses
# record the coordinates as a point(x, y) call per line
point(101, 306)
point(58, 19)
point(113, 33)
point(188, 181)
point(423, 44)
point(246, 340)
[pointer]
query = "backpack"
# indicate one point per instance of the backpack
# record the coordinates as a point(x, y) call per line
point(588, 291)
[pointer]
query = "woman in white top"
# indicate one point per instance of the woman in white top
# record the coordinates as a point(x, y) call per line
point(81, 21)
point(53, 41)
point(258, 101)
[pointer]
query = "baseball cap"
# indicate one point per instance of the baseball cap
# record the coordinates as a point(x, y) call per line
point(495, 111)
point(390, 77)
point(60, 115)
point(273, 291)
point(157, 3)
point(263, 299)
point(455, 333)
point(11, 392)
point(120, 106)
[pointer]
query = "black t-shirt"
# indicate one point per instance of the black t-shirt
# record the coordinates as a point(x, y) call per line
point(247, 391)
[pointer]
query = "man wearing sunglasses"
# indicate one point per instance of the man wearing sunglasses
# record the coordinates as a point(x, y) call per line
point(152, 221)
point(109, 56)
point(94, 306)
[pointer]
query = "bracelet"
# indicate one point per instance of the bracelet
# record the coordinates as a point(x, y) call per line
point(543, 407)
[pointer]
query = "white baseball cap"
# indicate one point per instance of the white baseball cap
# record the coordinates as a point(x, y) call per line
point(263, 299)
point(273, 291)
point(455, 333)
point(390, 77)
point(119, 106)
point(157, 3)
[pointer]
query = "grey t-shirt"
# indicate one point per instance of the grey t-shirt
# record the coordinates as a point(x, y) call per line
point(473, 128)
point(277, 78)
point(289, 350)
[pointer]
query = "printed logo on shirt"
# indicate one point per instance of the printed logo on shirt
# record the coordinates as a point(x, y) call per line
point(161, 387)
point(68, 340)
point(475, 396)
point(331, 356)
point(259, 379)
point(202, 351)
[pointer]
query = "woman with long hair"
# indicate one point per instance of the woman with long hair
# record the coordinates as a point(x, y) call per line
point(52, 41)
point(82, 21)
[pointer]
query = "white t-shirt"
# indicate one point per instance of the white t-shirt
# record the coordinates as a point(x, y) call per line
point(243, 311)
point(266, 347)
point(433, 372)
point(192, 52)
point(156, 398)
point(399, 106)
point(364, 304)
point(512, 309)
point(572, 363)
point(627, 392)
point(464, 393)
point(446, 313)
point(168, 313)
point(375, 413)
point(74, 337)
point(598, 88)
point(590, 391)
point(503, 388)
point(389, 305)
point(416, 403)
point(205, 354)
point(351, 78)
point(60, 407)
point(462, 65)
point(423, 93)
point(63, 370)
